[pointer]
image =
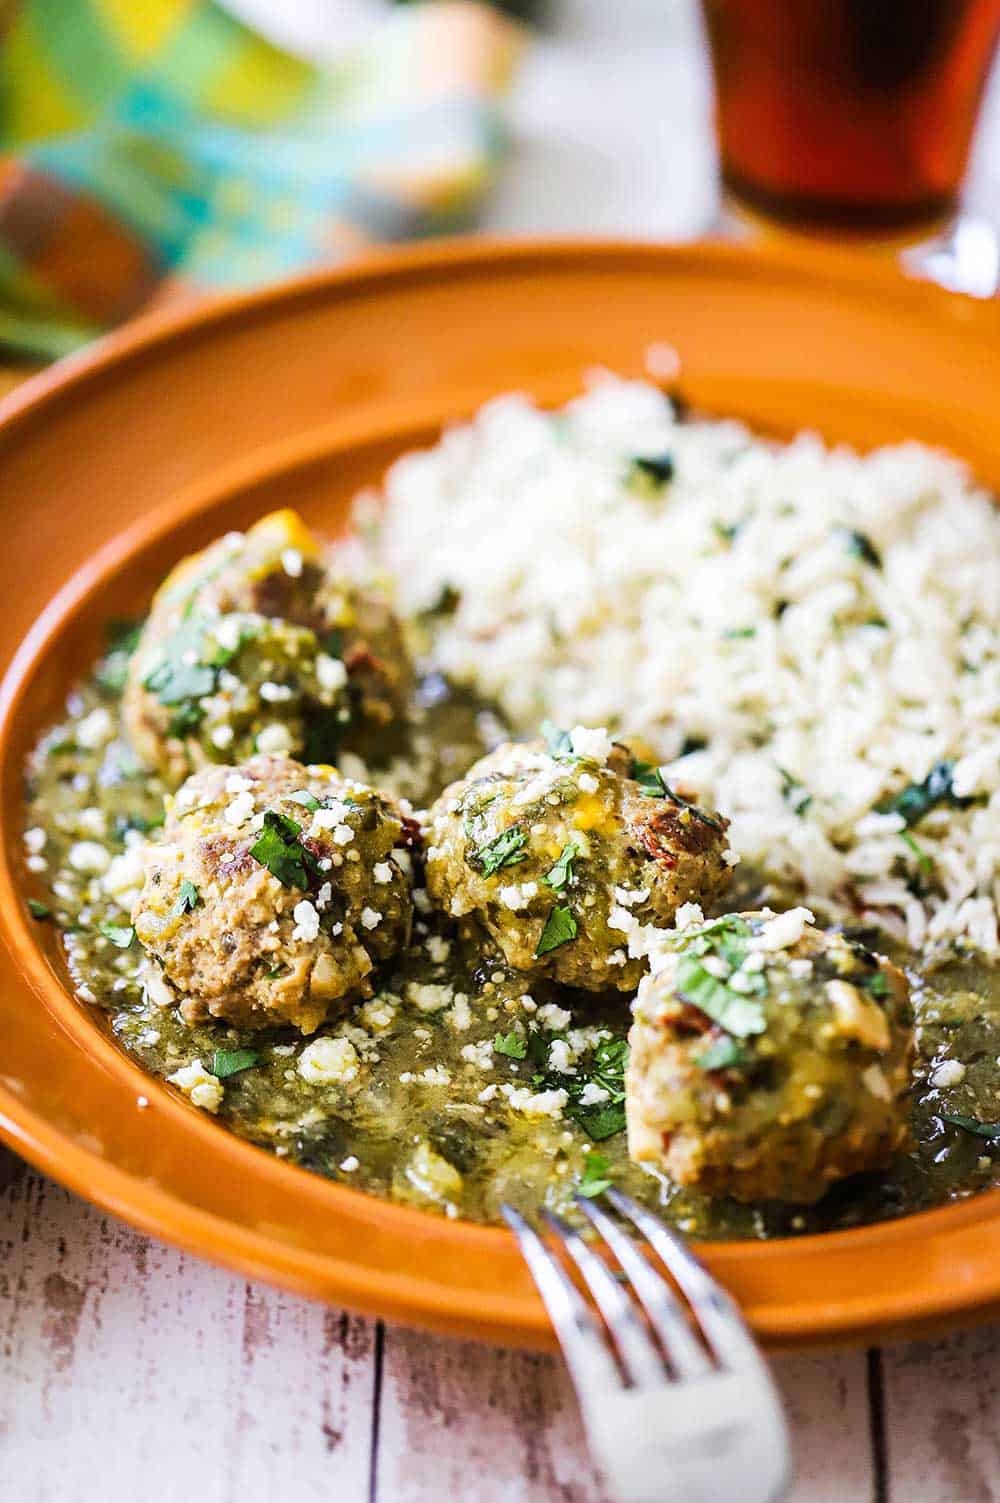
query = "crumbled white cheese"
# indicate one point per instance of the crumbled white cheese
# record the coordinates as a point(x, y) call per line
point(593, 1094)
point(306, 921)
point(875, 1082)
point(89, 856)
point(329, 1062)
point(34, 840)
point(124, 874)
point(512, 897)
point(370, 918)
point(561, 1058)
point(330, 672)
point(438, 948)
point(291, 562)
point(435, 1075)
point(274, 738)
point(351, 1163)
point(460, 1016)
point(201, 1088)
point(587, 783)
point(239, 811)
point(687, 915)
point(783, 931)
point(553, 1017)
point(630, 896)
point(427, 996)
point(593, 744)
point(343, 835)
point(479, 1054)
point(96, 729)
point(237, 783)
point(228, 632)
point(948, 1073)
point(535, 1103)
point(275, 694)
point(155, 987)
point(382, 872)
point(222, 736)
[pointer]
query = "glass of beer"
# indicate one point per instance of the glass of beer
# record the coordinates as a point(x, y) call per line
point(849, 116)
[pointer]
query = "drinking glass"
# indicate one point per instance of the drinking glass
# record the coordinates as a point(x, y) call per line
point(849, 117)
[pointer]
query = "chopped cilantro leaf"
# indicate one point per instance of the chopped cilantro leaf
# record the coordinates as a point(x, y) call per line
point(188, 899)
point(737, 1014)
point(603, 1119)
point(795, 793)
point(859, 545)
point(39, 910)
point(594, 1179)
point(923, 861)
point(123, 636)
point(175, 682)
point(226, 1062)
point(187, 718)
point(511, 1044)
point(647, 775)
point(653, 784)
point(557, 741)
point(220, 654)
point(650, 473)
point(736, 633)
point(877, 985)
point(277, 847)
point(324, 731)
point(306, 799)
point(560, 928)
point(974, 1126)
point(120, 936)
point(560, 875)
point(722, 1054)
point(446, 604)
point(504, 850)
point(918, 799)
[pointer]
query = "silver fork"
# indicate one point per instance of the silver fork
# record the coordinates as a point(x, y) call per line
point(677, 1401)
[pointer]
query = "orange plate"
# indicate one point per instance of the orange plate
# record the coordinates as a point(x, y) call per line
point(161, 437)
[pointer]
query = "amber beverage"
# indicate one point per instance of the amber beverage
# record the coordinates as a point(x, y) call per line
point(849, 114)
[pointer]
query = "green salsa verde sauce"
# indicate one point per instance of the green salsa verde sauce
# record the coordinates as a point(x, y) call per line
point(453, 1099)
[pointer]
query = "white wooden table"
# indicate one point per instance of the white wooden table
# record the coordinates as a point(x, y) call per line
point(130, 1371)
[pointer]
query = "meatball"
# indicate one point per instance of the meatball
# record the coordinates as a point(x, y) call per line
point(546, 846)
point(272, 893)
point(254, 645)
point(768, 1058)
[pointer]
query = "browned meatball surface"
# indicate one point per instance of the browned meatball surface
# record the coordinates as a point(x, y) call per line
point(546, 844)
point(256, 645)
point(273, 893)
point(768, 1058)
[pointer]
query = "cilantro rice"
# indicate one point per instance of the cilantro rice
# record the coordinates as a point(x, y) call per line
point(808, 638)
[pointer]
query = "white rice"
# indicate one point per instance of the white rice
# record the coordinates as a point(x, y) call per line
point(585, 601)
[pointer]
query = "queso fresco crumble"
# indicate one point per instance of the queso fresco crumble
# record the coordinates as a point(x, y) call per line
point(654, 843)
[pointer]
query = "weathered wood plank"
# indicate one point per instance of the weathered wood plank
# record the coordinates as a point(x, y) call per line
point(827, 1402)
point(466, 1421)
point(130, 1370)
point(942, 1403)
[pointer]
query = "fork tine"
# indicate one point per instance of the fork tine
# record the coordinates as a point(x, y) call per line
point(644, 1367)
point(583, 1342)
point(687, 1356)
point(718, 1315)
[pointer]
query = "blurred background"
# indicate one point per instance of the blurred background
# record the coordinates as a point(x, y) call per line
point(159, 150)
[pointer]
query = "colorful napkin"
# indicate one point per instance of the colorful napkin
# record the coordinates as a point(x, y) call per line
point(156, 143)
